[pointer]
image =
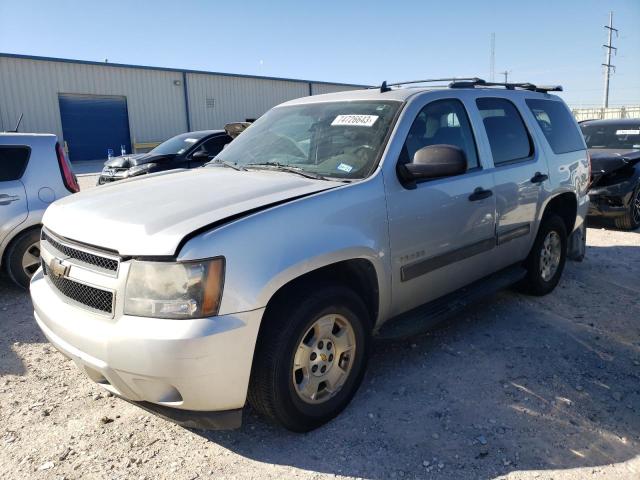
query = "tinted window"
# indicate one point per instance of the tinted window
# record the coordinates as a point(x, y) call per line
point(557, 124)
point(443, 122)
point(214, 146)
point(179, 144)
point(13, 162)
point(621, 135)
point(507, 134)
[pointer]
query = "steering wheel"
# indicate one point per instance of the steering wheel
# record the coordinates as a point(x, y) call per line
point(363, 147)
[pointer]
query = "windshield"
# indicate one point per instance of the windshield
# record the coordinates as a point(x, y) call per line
point(612, 136)
point(341, 139)
point(178, 144)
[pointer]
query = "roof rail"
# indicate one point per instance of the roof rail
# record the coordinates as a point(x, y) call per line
point(385, 87)
point(478, 82)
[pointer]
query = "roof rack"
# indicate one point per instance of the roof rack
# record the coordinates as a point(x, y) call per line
point(478, 82)
point(385, 87)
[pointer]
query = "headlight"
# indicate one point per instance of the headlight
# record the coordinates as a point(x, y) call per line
point(140, 169)
point(174, 290)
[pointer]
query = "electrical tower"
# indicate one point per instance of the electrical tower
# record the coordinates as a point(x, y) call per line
point(607, 66)
point(506, 75)
point(492, 58)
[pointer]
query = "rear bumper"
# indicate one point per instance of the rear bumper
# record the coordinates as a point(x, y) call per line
point(200, 365)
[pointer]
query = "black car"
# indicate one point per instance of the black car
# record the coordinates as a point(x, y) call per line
point(614, 147)
point(187, 150)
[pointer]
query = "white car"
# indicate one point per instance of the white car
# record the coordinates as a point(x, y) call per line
point(33, 173)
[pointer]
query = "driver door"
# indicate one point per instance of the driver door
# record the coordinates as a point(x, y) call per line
point(441, 229)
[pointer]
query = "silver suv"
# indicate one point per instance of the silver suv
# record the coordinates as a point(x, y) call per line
point(263, 275)
point(33, 173)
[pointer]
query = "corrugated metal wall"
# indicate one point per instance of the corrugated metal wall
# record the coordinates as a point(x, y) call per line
point(322, 88)
point(155, 97)
point(215, 100)
point(156, 105)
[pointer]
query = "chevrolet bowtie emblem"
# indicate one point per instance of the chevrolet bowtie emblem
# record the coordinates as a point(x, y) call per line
point(57, 268)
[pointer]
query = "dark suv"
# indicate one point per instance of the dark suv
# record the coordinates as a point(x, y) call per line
point(614, 146)
point(187, 150)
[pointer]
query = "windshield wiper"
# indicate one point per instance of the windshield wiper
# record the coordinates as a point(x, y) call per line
point(219, 161)
point(286, 168)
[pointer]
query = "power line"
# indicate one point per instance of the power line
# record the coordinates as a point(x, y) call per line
point(607, 66)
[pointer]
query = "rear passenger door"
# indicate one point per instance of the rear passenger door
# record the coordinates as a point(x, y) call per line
point(441, 230)
point(520, 171)
point(13, 197)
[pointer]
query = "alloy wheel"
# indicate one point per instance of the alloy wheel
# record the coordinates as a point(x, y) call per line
point(550, 254)
point(31, 259)
point(323, 359)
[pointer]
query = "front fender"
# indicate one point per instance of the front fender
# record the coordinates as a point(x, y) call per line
point(268, 249)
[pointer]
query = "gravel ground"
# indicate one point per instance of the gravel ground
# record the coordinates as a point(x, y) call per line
point(516, 387)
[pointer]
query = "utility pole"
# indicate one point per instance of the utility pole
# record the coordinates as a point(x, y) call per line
point(492, 58)
point(607, 66)
point(506, 76)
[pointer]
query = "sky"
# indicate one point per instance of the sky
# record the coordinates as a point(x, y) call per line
point(352, 41)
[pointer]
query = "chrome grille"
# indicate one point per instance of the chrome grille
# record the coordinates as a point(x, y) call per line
point(105, 263)
point(86, 295)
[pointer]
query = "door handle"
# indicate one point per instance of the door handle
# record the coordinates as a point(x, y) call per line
point(7, 199)
point(480, 194)
point(539, 178)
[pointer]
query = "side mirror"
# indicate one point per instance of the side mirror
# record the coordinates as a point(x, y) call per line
point(201, 155)
point(435, 161)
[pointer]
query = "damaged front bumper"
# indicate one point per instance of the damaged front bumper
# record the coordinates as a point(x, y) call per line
point(611, 200)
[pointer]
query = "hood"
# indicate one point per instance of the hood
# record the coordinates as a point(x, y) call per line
point(128, 161)
point(151, 215)
point(608, 160)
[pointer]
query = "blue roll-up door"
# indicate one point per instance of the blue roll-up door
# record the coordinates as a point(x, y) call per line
point(91, 124)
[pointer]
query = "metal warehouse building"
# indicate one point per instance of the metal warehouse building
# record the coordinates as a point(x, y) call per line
point(93, 106)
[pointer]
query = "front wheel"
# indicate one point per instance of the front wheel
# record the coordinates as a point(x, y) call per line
point(631, 218)
point(548, 255)
point(310, 358)
point(23, 257)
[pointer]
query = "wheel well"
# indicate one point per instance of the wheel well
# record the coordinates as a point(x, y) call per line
point(566, 206)
point(3, 259)
point(357, 274)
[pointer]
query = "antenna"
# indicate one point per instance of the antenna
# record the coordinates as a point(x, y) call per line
point(607, 66)
point(18, 124)
point(492, 58)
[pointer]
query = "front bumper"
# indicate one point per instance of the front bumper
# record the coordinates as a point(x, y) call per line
point(612, 200)
point(200, 365)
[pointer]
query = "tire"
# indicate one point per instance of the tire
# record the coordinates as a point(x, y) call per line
point(26, 246)
point(277, 389)
point(631, 219)
point(542, 277)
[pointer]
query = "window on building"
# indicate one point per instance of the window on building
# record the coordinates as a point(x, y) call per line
point(13, 162)
point(508, 136)
point(443, 122)
point(557, 124)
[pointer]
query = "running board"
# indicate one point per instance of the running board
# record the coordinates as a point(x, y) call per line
point(425, 317)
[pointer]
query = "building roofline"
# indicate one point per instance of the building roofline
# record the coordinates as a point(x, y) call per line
point(177, 70)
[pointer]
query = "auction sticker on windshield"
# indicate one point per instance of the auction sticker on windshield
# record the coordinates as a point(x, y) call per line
point(354, 120)
point(627, 132)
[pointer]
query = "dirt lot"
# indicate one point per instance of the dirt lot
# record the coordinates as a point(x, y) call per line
point(516, 387)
